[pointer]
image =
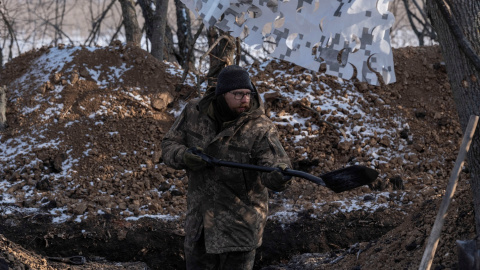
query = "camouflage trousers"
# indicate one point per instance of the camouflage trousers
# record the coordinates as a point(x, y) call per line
point(197, 258)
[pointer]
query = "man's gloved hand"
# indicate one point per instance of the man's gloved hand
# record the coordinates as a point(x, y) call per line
point(193, 161)
point(283, 167)
point(276, 180)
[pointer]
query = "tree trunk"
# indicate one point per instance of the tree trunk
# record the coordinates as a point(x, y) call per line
point(1, 58)
point(185, 38)
point(156, 27)
point(169, 50)
point(130, 22)
point(462, 73)
point(58, 21)
point(159, 27)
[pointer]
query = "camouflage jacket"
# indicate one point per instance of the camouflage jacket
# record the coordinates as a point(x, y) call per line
point(229, 204)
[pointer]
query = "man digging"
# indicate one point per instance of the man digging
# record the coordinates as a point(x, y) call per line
point(226, 207)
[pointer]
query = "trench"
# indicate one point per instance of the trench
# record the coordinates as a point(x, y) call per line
point(160, 246)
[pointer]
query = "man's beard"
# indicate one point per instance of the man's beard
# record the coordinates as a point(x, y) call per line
point(223, 112)
point(238, 112)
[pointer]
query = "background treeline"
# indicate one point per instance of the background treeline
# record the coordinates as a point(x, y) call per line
point(165, 28)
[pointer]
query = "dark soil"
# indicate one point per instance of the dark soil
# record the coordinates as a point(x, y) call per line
point(135, 114)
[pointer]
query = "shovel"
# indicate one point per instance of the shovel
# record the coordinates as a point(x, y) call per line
point(339, 180)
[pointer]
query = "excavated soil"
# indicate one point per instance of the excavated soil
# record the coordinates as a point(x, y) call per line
point(85, 176)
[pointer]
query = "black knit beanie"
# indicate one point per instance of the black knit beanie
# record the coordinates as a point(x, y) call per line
point(231, 78)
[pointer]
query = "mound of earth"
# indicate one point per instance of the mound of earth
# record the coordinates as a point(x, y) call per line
point(81, 171)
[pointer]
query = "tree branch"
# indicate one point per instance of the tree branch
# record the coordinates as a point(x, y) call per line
point(97, 23)
point(114, 36)
point(247, 53)
point(200, 80)
point(57, 29)
point(190, 52)
point(463, 42)
point(11, 31)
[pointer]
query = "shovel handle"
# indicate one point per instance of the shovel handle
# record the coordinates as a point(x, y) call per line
point(76, 260)
point(217, 162)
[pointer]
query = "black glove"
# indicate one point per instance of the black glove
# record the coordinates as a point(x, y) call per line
point(276, 180)
point(193, 161)
point(283, 167)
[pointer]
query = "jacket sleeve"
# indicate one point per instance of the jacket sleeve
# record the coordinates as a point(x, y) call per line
point(270, 152)
point(174, 143)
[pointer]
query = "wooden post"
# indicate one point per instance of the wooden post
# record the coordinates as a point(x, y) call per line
point(452, 184)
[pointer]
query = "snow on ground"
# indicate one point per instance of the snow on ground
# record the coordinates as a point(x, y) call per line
point(335, 103)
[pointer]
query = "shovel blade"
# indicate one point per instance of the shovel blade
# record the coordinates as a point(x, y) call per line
point(349, 178)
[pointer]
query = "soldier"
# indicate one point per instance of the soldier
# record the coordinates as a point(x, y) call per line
point(227, 207)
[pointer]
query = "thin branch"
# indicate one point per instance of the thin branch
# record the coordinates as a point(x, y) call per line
point(239, 51)
point(190, 52)
point(55, 25)
point(57, 29)
point(211, 48)
point(97, 24)
point(11, 32)
point(114, 36)
point(201, 80)
point(59, 20)
point(463, 42)
point(410, 14)
point(420, 9)
point(255, 58)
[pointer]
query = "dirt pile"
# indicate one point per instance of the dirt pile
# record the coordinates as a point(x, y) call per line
point(93, 130)
point(82, 159)
point(422, 97)
point(13, 256)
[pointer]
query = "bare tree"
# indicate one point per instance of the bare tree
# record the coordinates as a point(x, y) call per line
point(97, 22)
point(59, 16)
point(419, 20)
point(47, 20)
point(43, 22)
point(410, 17)
point(457, 23)
point(116, 33)
point(159, 26)
point(130, 22)
point(184, 34)
point(155, 24)
point(11, 34)
point(222, 51)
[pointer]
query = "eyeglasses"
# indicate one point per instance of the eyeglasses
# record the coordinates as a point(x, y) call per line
point(240, 95)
